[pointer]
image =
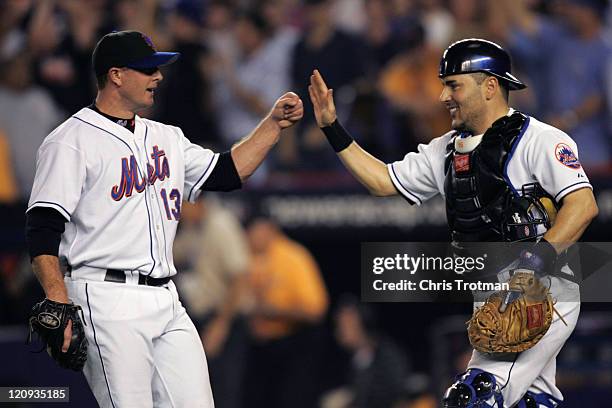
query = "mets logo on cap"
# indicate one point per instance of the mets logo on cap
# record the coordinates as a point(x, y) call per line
point(148, 41)
point(566, 156)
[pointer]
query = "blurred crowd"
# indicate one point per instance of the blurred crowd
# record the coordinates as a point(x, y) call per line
point(261, 305)
point(259, 298)
point(238, 56)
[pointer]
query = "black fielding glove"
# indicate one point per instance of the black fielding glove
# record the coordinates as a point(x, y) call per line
point(49, 319)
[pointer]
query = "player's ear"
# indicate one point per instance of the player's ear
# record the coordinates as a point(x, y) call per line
point(114, 76)
point(491, 86)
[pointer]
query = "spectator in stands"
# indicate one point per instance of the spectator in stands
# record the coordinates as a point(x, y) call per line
point(277, 14)
point(379, 367)
point(283, 37)
point(438, 23)
point(27, 115)
point(609, 93)
point(8, 184)
point(212, 253)
point(141, 15)
point(185, 94)
point(65, 69)
point(565, 57)
point(218, 30)
point(411, 85)
point(385, 36)
point(469, 17)
point(341, 58)
point(243, 89)
point(289, 300)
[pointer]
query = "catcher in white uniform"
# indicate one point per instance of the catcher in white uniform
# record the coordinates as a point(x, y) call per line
point(494, 160)
point(101, 222)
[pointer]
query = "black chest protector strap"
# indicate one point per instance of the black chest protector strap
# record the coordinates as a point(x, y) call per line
point(477, 191)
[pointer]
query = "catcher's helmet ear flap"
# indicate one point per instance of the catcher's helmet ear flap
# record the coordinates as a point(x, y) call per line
point(528, 216)
point(477, 55)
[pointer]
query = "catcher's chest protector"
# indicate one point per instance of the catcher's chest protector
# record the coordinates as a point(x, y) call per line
point(476, 190)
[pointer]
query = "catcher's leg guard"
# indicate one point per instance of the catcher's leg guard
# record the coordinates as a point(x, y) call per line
point(473, 389)
point(532, 400)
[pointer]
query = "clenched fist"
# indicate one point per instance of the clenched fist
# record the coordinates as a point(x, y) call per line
point(287, 110)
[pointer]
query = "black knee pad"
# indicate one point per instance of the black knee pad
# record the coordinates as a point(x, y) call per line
point(473, 389)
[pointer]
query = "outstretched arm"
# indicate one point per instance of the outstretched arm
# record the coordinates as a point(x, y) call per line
point(251, 151)
point(367, 169)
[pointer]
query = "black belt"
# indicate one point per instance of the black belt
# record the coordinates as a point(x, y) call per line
point(115, 275)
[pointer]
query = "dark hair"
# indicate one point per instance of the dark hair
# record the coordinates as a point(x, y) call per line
point(479, 77)
point(258, 21)
point(102, 80)
point(366, 312)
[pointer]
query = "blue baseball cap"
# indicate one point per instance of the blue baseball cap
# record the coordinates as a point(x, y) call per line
point(131, 49)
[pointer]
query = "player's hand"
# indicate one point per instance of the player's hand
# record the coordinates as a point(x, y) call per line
point(322, 100)
point(287, 110)
point(62, 297)
point(67, 336)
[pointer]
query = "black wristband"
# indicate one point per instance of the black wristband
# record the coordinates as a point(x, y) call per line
point(338, 137)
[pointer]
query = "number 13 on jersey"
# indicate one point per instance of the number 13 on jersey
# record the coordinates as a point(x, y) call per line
point(175, 198)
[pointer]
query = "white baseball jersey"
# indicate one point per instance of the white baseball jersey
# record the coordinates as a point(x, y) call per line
point(121, 191)
point(541, 154)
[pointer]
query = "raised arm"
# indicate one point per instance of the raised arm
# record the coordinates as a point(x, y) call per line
point(251, 151)
point(367, 169)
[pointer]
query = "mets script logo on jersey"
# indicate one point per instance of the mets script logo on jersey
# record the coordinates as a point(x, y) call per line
point(130, 178)
point(566, 156)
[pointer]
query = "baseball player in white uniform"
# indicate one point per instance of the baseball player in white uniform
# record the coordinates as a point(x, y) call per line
point(110, 184)
point(490, 154)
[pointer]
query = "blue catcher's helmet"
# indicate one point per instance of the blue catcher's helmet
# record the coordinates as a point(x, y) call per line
point(477, 55)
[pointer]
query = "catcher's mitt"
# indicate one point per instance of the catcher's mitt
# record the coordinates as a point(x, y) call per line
point(49, 320)
point(515, 320)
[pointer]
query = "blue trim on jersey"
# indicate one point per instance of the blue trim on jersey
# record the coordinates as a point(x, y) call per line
point(570, 186)
point(104, 130)
point(201, 177)
point(516, 142)
point(165, 252)
point(118, 138)
point(407, 194)
point(97, 345)
point(148, 211)
point(48, 202)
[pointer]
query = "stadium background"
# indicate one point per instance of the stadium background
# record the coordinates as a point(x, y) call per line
point(381, 58)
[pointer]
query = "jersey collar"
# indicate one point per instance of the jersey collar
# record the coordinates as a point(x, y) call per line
point(98, 120)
